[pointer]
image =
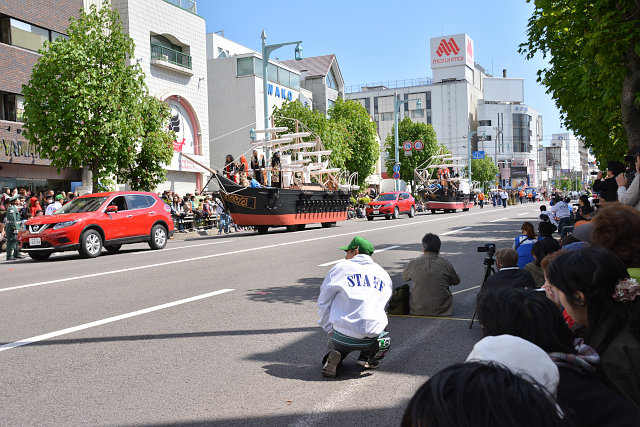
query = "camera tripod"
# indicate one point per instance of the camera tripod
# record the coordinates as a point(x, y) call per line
point(489, 261)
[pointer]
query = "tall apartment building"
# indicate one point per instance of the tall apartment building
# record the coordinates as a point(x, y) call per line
point(24, 26)
point(566, 156)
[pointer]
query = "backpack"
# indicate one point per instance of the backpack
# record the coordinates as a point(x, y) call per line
point(399, 302)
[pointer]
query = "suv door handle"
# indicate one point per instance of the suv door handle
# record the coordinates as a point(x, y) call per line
point(152, 212)
point(129, 216)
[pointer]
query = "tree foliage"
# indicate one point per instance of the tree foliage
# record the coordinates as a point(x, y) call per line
point(348, 131)
point(333, 137)
point(594, 71)
point(410, 131)
point(361, 133)
point(484, 171)
point(85, 106)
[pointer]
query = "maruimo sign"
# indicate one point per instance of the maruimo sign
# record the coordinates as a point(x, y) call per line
point(449, 51)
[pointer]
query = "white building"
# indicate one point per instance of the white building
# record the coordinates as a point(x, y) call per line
point(512, 132)
point(451, 102)
point(566, 156)
point(170, 46)
point(236, 103)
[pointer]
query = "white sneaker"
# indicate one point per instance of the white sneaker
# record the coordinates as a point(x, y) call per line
point(331, 365)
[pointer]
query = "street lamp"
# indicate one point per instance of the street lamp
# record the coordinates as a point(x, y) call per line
point(397, 102)
point(266, 51)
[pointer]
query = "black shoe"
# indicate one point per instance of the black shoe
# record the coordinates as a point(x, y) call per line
point(367, 363)
point(331, 365)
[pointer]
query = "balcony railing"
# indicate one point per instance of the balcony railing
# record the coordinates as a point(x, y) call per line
point(170, 55)
point(189, 5)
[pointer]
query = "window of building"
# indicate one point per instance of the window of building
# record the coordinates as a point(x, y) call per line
point(25, 35)
point(330, 104)
point(521, 133)
point(162, 48)
point(417, 114)
point(429, 116)
point(387, 116)
point(284, 77)
point(331, 80)
point(11, 107)
point(484, 123)
point(245, 66)
point(295, 81)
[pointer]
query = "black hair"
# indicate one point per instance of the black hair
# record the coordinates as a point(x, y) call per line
point(475, 394)
point(526, 314)
point(431, 243)
point(585, 200)
point(539, 251)
point(543, 208)
point(545, 228)
point(595, 272)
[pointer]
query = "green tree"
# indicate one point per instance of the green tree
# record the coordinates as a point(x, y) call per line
point(410, 131)
point(361, 133)
point(85, 106)
point(484, 171)
point(332, 135)
point(594, 68)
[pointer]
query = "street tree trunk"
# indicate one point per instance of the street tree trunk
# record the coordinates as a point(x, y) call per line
point(631, 87)
point(95, 167)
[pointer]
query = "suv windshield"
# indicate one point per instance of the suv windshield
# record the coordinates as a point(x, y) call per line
point(386, 197)
point(84, 204)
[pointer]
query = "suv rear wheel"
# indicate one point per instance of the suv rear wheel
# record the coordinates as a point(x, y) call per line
point(90, 244)
point(158, 237)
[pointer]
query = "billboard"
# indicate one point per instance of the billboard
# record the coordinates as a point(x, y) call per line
point(518, 172)
point(503, 90)
point(449, 51)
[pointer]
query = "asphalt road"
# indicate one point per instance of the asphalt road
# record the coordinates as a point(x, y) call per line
point(223, 329)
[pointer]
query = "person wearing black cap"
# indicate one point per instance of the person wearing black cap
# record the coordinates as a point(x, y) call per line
point(608, 187)
point(351, 308)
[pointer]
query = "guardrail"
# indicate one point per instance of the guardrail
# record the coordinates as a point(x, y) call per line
point(170, 55)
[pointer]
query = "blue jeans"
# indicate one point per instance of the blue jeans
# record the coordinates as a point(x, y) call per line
point(223, 221)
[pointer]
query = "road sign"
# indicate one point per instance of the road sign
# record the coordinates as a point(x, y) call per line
point(408, 153)
point(396, 168)
point(478, 155)
point(418, 145)
point(396, 175)
point(408, 145)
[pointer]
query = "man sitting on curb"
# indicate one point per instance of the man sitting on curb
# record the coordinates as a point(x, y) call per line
point(351, 308)
point(509, 275)
point(430, 277)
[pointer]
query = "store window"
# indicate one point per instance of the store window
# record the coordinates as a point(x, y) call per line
point(11, 107)
point(484, 123)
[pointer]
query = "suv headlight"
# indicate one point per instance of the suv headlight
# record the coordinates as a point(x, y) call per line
point(60, 225)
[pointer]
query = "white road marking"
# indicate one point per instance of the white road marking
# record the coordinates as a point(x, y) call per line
point(524, 213)
point(377, 251)
point(66, 331)
point(455, 231)
point(499, 219)
point(252, 249)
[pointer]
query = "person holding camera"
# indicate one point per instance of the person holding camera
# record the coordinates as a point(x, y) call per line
point(608, 187)
point(430, 278)
point(508, 275)
point(630, 196)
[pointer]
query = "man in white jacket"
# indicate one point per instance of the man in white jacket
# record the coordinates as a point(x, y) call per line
point(351, 308)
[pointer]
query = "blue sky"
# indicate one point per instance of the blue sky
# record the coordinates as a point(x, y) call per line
point(377, 41)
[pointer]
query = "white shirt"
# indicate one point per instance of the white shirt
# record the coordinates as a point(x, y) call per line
point(353, 297)
point(53, 207)
point(561, 210)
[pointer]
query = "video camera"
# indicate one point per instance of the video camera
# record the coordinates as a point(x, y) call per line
point(489, 248)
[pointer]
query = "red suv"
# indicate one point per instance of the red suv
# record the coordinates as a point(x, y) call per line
point(391, 205)
point(89, 222)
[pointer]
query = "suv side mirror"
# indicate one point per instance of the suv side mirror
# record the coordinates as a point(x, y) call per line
point(112, 209)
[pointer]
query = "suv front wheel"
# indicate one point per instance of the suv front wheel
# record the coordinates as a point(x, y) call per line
point(158, 237)
point(90, 244)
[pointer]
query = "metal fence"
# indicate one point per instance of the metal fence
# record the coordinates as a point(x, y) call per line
point(391, 84)
point(170, 55)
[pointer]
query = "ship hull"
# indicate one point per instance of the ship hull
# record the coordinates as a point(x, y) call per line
point(268, 206)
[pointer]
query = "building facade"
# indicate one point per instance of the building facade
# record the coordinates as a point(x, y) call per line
point(24, 27)
point(170, 47)
point(566, 156)
point(453, 101)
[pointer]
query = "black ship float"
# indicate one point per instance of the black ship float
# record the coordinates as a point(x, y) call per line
point(309, 190)
point(440, 184)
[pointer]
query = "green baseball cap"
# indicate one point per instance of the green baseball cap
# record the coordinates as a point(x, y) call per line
point(59, 197)
point(361, 244)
